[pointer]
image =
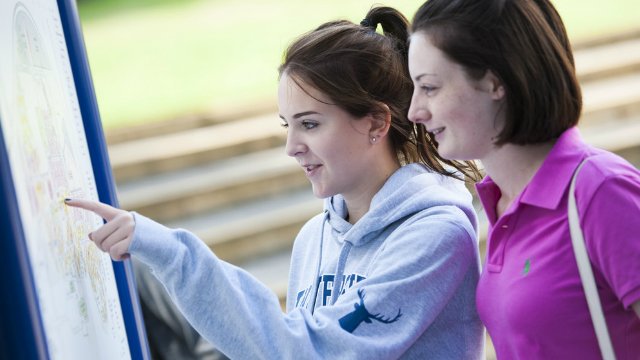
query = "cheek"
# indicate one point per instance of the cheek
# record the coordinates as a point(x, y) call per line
point(473, 131)
point(468, 111)
point(347, 157)
point(348, 141)
point(460, 117)
point(334, 151)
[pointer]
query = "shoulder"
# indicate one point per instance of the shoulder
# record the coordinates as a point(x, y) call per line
point(314, 223)
point(447, 218)
point(605, 177)
point(608, 198)
point(429, 243)
point(310, 229)
point(445, 214)
point(605, 164)
point(446, 228)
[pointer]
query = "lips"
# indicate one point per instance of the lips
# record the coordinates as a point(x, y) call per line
point(310, 169)
point(434, 133)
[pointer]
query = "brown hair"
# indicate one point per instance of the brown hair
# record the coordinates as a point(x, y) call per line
point(359, 70)
point(522, 42)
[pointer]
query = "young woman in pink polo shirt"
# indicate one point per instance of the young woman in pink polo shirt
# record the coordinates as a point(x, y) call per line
point(495, 81)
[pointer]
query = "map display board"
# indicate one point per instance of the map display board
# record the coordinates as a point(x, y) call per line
point(70, 290)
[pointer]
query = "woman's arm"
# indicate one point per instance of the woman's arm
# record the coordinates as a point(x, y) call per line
point(415, 277)
point(410, 284)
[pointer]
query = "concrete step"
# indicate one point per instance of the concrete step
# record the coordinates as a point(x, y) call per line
point(614, 97)
point(620, 135)
point(188, 122)
point(196, 146)
point(211, 186)
point(605, 39)
point(613, 58)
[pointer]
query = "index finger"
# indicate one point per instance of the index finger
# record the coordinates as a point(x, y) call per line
point(105, 211)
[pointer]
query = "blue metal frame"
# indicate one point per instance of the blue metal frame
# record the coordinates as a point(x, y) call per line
point(21, 330)
point(125, 280)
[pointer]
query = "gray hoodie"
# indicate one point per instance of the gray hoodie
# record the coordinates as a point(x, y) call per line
point(406, 275)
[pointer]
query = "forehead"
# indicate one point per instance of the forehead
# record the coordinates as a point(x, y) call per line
point(293, 92)
point(425, 58)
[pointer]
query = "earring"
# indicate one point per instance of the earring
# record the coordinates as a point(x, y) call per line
point(373, 140)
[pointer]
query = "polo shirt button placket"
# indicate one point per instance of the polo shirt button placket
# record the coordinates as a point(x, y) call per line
point(499, 237)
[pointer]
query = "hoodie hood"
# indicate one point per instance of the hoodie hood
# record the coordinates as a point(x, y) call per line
point(411, 189)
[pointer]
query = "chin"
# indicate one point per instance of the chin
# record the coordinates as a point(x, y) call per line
point(454, 154)
point(447, 153)
point(320, 193)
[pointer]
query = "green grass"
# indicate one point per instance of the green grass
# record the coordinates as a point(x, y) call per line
point(158, 59)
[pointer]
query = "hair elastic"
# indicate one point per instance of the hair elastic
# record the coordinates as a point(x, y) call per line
point(367, 23)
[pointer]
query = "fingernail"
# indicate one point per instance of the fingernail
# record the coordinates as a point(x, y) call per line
point(67, 199)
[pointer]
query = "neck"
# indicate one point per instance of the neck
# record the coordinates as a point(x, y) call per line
point(512, 167)
point(358, 204)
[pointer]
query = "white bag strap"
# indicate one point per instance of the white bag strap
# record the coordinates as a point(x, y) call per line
point(586, 274)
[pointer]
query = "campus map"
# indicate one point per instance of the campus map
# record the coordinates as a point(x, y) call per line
point(49, 159)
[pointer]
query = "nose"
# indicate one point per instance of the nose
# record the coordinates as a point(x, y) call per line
point(294, 146)
point(418, 112)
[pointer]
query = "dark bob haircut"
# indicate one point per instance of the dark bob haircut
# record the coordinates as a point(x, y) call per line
point(523, 43)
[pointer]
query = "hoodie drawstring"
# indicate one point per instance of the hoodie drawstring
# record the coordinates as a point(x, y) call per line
point(314, 291)
point(339, 274)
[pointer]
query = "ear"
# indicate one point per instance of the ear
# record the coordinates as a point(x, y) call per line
point(494, 85)
point(380, 122)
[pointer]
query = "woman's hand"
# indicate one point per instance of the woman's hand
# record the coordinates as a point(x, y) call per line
point(116, 234)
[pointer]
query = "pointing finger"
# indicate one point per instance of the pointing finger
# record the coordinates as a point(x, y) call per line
point(119, 229)
point(105, 211)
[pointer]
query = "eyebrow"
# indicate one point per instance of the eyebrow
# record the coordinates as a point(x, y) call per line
point(417, 78)
point(299, 115)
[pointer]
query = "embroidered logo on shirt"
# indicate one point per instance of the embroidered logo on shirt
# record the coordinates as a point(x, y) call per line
point(353, 319)
point(527, 267)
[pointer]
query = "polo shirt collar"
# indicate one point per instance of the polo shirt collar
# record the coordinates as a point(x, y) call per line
point(489, 194)
point(548, 185)
point(550, 181)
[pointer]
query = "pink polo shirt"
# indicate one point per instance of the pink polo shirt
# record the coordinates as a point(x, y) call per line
point(530, 296)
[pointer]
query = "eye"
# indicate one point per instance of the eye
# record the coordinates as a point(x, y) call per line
point(284, 124)
point(309, 124)
point(428, 89)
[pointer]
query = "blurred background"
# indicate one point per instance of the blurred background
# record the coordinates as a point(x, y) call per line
point(187, 95)
point(157, 59)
